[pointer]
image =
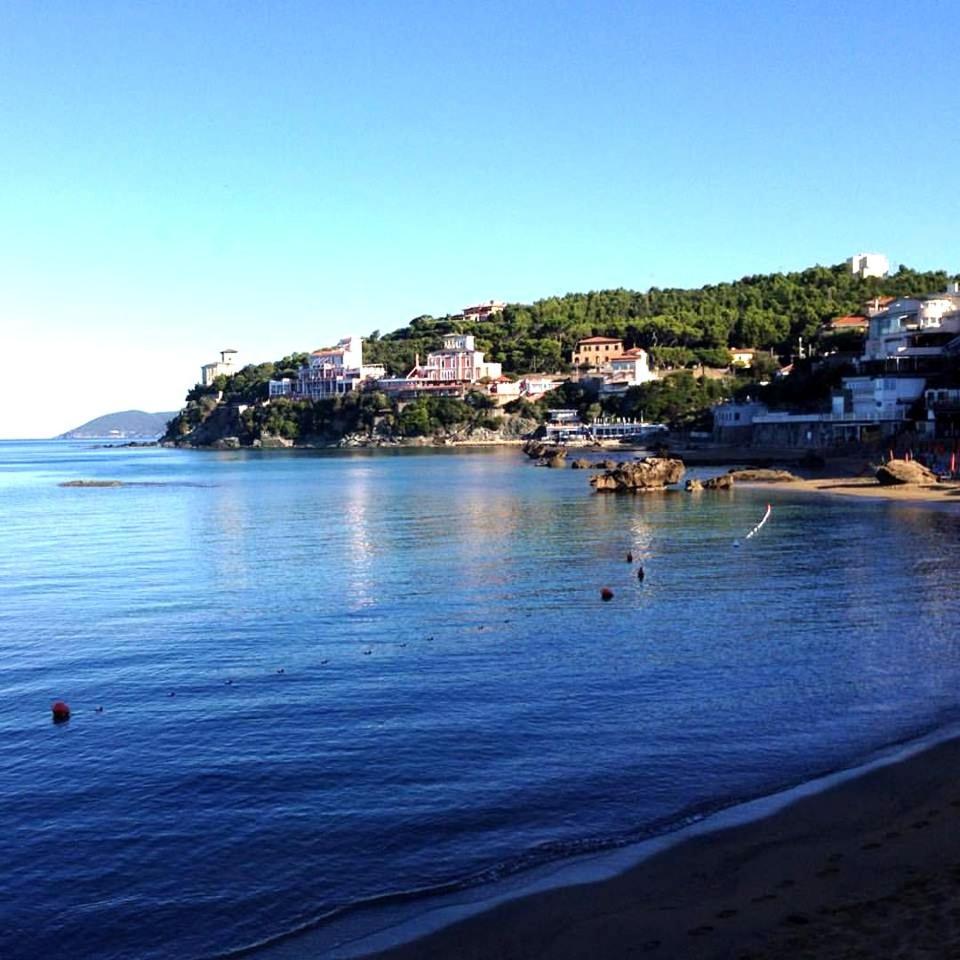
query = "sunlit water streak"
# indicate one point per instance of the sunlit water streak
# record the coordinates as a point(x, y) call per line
point(455, 701)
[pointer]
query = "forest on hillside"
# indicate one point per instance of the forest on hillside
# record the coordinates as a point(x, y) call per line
point(680, 328)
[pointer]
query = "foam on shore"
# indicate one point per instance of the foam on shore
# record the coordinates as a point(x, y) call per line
point(571, 893)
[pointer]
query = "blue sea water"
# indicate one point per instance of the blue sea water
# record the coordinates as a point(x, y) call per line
point(328, 679)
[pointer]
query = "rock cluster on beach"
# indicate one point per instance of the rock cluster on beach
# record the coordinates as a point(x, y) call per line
point(654, 473)
point(904, 471)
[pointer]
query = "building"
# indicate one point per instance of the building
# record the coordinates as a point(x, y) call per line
point(733, 421)
point(865, 265)
point(330, 372)
point(483, 311)
point(226, 366)
point(457, 361)
point(851, 323)
point(742, 356)
point(912, 346)
point(534, 387)
point(595, 353)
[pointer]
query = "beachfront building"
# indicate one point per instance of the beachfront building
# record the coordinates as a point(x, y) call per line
point(595, 353)
point(865, 265)
point(226, 366)
point(330, 372)
point(733, 420)
point(912, 345)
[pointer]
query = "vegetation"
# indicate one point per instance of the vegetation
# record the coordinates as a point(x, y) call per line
point(681, 329)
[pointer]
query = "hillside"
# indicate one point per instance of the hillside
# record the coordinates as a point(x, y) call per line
point(125, 425)
point(682, 330)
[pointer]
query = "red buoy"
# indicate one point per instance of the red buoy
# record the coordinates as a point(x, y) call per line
point(61, 711)
point(606, 594)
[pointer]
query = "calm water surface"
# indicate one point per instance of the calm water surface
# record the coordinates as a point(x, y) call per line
point(328, 679)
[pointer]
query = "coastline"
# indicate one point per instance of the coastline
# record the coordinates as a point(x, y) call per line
point(869, 866)
point(863, 862)
point(946, 493)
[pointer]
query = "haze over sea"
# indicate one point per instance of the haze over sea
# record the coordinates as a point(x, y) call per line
point(332, 678)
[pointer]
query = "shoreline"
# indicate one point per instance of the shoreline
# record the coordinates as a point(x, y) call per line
point(946, 493)
point(850, 863)
point(868, 866)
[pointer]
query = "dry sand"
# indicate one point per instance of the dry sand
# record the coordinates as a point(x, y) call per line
point(867, 869)
point(946, 493)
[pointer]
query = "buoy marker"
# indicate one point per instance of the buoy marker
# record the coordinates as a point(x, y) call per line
point(60, 711)
point(606, 594)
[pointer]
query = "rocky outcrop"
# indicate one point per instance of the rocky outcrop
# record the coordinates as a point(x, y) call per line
point(538, 450)
point(654, 473)
point(904, 471)
point(723, 482)
point(580, 464)
point(759, 475)
point(555, 459)
point(694, 484)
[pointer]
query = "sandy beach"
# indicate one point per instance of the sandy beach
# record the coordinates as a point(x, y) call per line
point(945, 493)
point(869, 868)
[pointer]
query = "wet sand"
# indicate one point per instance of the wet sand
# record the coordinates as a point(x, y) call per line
point(868, 868)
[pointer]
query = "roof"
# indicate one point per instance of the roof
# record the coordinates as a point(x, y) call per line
point(850, 320)
point(750, 350)
point(328, 352)
point(601, 340)
point(634, 353)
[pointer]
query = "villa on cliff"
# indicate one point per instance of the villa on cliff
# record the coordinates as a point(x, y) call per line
point(330, 372)
point(226, 366)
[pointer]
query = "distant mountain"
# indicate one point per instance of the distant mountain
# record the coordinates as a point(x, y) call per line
point(127, 425)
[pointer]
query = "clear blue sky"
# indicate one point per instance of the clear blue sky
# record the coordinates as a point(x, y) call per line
point(179, 177)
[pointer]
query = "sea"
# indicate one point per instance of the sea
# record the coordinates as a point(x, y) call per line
point(305, 684)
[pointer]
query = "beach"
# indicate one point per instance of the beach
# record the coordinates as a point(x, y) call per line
point(867, 868)
point(946, 492)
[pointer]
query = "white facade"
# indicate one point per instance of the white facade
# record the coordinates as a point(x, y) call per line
point(225, 366)
point(893, 331)
point(632, 366)
point(330, 372)
point(869, 265)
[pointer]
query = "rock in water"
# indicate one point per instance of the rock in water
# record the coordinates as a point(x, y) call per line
point(654, 473)
point(580, 464)
point(722, 482)
point(904, 471)
point(763, 475)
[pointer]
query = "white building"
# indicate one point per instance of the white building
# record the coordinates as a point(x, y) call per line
point(226, 366)
point(733, 420)
point(330, 372)
point(865, 265)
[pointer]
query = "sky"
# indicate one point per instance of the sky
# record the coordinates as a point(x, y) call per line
point(177, 178)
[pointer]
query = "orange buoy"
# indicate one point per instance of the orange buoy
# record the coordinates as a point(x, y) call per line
point(61, 711)
point(606, 594)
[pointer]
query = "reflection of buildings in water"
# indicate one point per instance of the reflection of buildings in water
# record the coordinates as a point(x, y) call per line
point(358, 556)
point(225, 539)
